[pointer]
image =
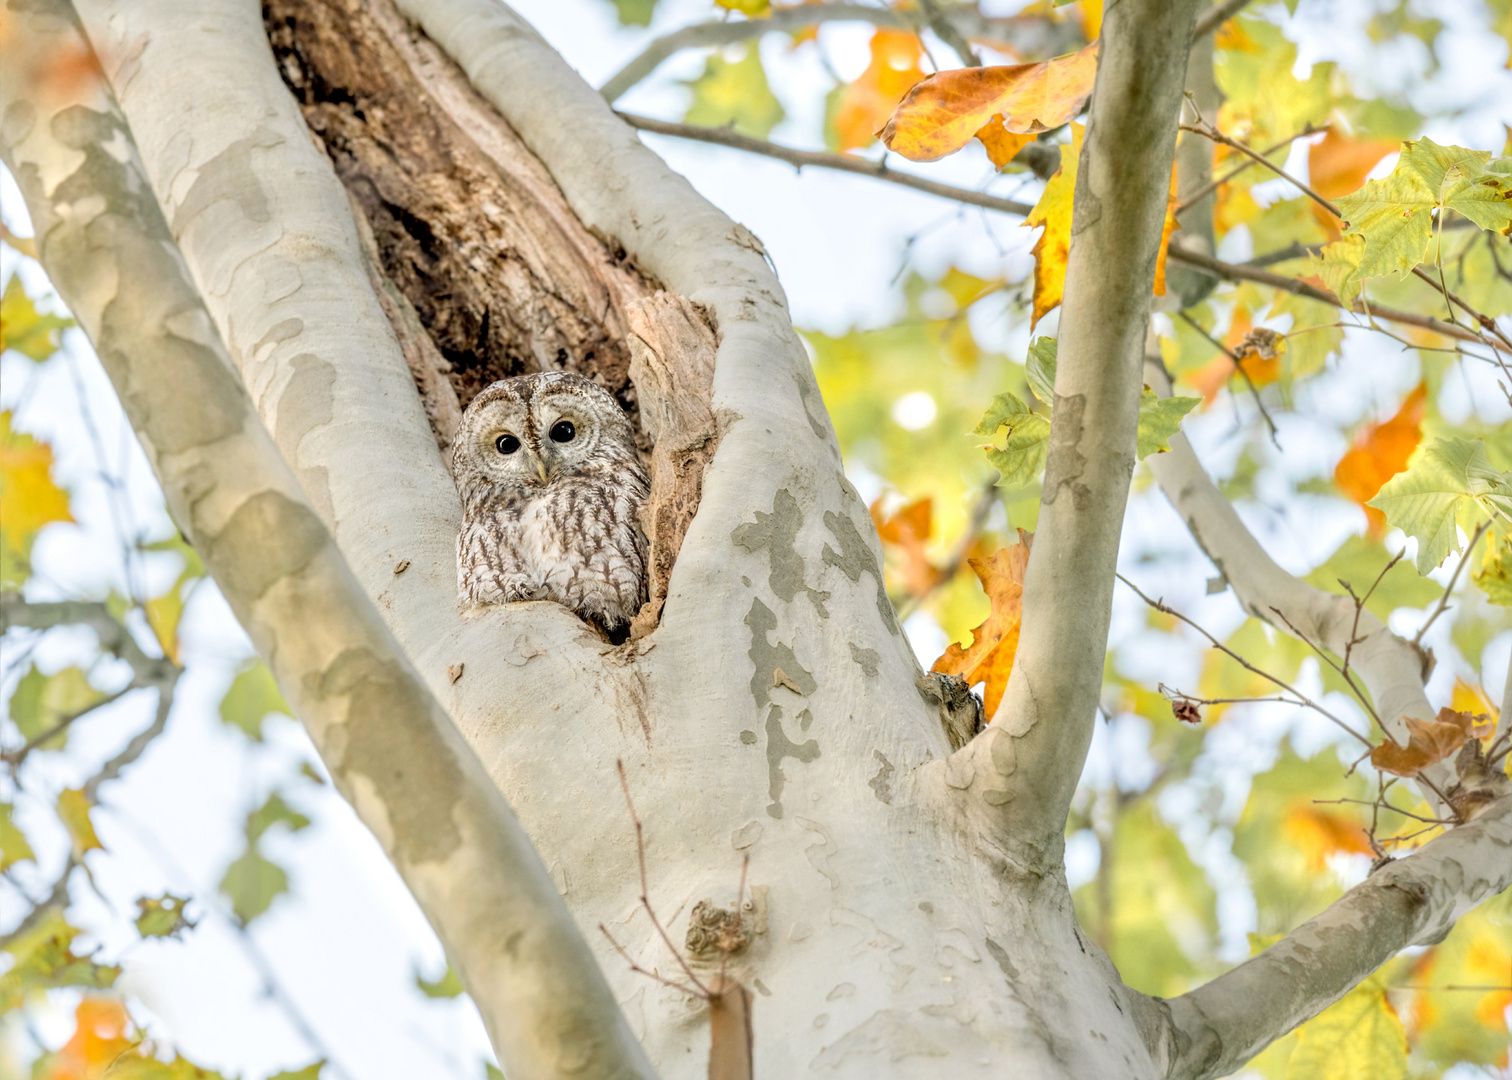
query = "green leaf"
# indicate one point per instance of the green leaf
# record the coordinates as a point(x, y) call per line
point(1494, 574)
point(633, 13)
point(252, 883)
point(45, 960)
point(1360, 561)
point(252, 696)
point(1444, 481)
point(25, 329)
point(1359, 1037)
point(492, 1071)
point(309, 1072)
point(42, 701)
point(1021, 460)
point(273, 812)
point(1040, 367)
point(734, 93)
point(1159, 420)
point(1338, 264)
point(447, 986)
point(13, 845)
point(162, 916)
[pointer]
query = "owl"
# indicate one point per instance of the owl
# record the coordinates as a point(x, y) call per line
point(552, 490)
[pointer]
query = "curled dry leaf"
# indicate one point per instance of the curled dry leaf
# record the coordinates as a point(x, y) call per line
point(944, 111)
point(1186, 710)
point(1430, 741)
point(989, 657)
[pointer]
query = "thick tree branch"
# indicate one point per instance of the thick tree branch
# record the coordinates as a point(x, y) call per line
point(389, 746)
point(1028, 35)
point(1026, 764)
point(1217, 15)
point(1412, 901)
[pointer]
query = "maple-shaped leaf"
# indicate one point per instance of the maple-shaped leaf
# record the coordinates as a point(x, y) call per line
point(1430, 741)
point(1338, 164)
point(1019, 462)
point(1053, 213)
point(1320, 834)
point(1159, 420)
point(1447, 480)
point(252, 696)
point(161, 916)
point(856, 110)
point(28, 499)
point(1378, 453)
point(989, 657)
point(1337, 265)
point(41, 703)
point(907, 532)
point(734, 93)
point(252, 883)
point(944, 111)
point(1394, 214)
point(1001, 144)
point(23, 328)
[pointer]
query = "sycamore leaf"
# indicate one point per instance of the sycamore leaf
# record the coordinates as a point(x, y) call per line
point(273, 812)
point(1394, 215)
point(1430, 741)
point(162, 916)
point(1338, 266)
point(907, 532)
point(252, 696)
point(1040, 369)
point(447, 986)
point(1021, 460)
point(942, 112)
point(734, 93)
point(1379, 452)
point(252, 883)
point(1494, 574)
point(107, 1046)
point(1447, 478)
point(43, 958)
point(1319, 834)
point(28, 499)
point(856, 110)
point(1159, 419)
point(25, 329)
point(13, 845)
point(41, 702)
point(1001, 144)
point(1338, 165)
point(73, 808)
point(1359, 1037)
point(1053, 213)
point(989, 658)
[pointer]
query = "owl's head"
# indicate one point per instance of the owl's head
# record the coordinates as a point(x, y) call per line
point(533, 430)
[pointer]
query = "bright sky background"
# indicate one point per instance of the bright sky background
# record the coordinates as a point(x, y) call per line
point(345, 946)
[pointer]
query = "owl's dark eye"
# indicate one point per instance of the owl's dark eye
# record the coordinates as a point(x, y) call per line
point(507, 444)
point(562, 431)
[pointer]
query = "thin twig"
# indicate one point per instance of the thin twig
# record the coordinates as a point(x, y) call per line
point(1207, 131)
point(1331, 662)
point(1217, 15)
point(1307, 701)
point(1443, 603)
point(14, 758)
point(1217, 182)
point(947, 32)
point(1239, 367)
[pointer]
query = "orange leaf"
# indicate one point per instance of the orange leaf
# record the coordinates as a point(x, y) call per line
point(1380, 451)
point(989, 658)
point(1430, 741)
point(908, 530)
point(1339, 165)
point(942, 113)
point(864, 105)
point(98, 1041)
point(1053, 212)
point(1001, 143)
point(1319, 834)
point(1263, 366)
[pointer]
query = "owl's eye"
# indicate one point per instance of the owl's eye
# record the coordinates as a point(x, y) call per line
point(562, 431)
point(507, 444)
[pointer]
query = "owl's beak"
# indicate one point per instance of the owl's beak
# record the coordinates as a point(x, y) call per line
point(541, 468)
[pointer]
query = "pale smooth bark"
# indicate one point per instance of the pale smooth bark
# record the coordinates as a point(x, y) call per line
point(390, 748)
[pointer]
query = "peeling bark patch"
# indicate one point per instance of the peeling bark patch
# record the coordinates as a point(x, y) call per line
point(779, 746)
point(889, 1034)
point(268, 538)
point(1000, 955)
point(1065, 463)
point(746, 835)
point(279, 333)
point(777, 532)
point(386, 723)
point(307, 402)
point(854, 558)
point(807, 392)
point(868, 659)
point(881, 783)
point(820, 854)
point(224, 179)
point(769, 658)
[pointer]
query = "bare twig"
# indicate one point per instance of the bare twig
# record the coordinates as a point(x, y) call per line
point(949, 33)
point(1342, 670)
point(1239, 367)
point(1443, 602)
point(1217, 182)
point(1217, 15)
point(1209, 132)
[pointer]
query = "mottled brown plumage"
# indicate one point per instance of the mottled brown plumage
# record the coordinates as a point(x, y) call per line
point(552, 489)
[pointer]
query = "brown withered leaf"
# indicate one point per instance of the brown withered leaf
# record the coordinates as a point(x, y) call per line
point(942, 112)
point(989, 657)
point(1430, 741)
point(1186, 710)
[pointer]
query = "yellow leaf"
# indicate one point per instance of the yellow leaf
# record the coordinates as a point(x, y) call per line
point(22, 327)
point(1338, 165)
point(28, 498)
point(1170, 226)
point(1319, 834)
point(73, 808)
point(1380, 451)
point(1053, 212)
point(1359, 1037)
point(163, 614)
point(989, 658)
point(859, 108)
point(942, 112)
point(733, 92)
point(753, 8)
point(1001, 143)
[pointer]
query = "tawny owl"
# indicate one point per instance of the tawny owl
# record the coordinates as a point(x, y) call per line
point(552, 490)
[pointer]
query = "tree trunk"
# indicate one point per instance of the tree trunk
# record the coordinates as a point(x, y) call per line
point(905, 908)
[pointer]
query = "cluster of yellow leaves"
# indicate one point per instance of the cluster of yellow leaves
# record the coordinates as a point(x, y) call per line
point(1378, 453)
point(989, 657)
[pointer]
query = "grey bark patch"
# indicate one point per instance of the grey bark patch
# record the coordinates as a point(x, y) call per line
point(393, 738)
point(20, 117)
point(881, 784)
point(808, 392)
point(999, 954)
point(805, 718)
point(268, 538)
point(779, 746)
point(279, 333)
point(888, 1034)
point(306, 403)
point(748, 737)
point(225, 178)
point(746, 835)
point(1064, 462)
point(854, 559)
point(768, 658)
point(777, 532)
point(868, 659)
